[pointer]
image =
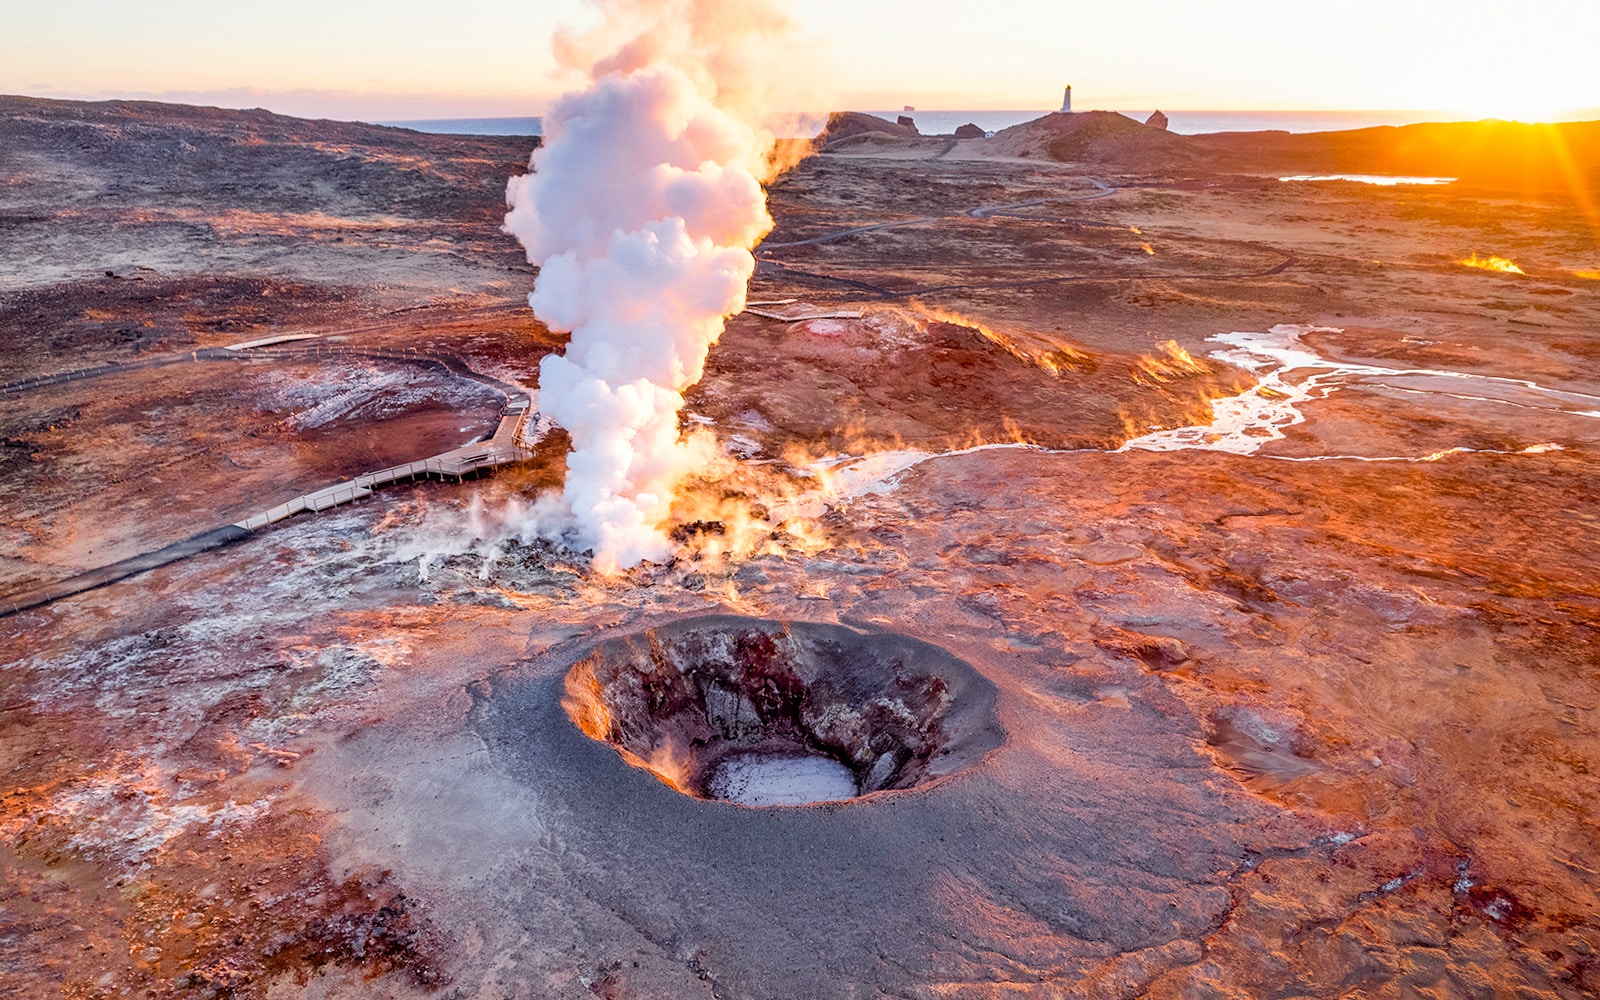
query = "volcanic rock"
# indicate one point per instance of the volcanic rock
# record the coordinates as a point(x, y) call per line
point(844, 124)
point(907, 122)
point(1157, 120)
point(970, 131)
point(1100, 137)
point(1317, 716)
point(894, 711)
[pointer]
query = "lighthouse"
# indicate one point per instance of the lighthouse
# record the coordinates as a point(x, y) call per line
point(1066, 101)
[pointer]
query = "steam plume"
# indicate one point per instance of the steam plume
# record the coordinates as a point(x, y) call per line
point(641, 208)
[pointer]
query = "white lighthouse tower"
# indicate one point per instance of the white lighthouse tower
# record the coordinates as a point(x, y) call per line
point(1066, 101)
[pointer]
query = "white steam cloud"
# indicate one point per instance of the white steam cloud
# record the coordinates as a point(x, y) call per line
point(643, 202)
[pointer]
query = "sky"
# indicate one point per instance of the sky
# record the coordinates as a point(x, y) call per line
point(402, 59)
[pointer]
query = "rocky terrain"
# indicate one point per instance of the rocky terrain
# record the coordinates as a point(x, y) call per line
point(1496, 155)
point(1255, 525)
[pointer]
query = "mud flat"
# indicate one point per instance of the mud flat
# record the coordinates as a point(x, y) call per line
point(1251, 529)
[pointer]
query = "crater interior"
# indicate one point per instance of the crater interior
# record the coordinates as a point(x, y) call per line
point(766, 712)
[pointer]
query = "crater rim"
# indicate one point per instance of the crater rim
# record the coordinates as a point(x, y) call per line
point(687, 699)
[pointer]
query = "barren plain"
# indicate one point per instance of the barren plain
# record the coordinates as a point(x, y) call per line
point(1267, 523)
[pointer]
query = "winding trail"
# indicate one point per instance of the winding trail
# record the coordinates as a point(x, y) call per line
point(508, 443)
point(1245, 422)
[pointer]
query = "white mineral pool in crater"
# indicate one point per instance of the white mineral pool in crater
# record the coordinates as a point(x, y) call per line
point(756, 779)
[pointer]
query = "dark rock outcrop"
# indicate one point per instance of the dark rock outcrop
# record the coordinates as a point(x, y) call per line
point(1157, 120)
point(844, 124)
point(1100, 137)
point(906, 121)
point(970, 131)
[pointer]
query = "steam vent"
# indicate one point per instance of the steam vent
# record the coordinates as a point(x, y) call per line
point(782, 713)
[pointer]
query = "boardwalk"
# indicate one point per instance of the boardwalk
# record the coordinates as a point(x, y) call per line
point(508, 444)
point(103, 575)
point(504, 447)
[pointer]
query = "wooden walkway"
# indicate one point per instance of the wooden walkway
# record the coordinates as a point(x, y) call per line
point(508, 444)
point(503, 448)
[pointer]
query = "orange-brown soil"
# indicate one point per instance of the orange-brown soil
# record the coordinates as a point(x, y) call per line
point(1318, 720)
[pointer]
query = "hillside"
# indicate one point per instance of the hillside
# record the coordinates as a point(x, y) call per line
point(1496, 154)
point(1485, 153)
point(129, 152)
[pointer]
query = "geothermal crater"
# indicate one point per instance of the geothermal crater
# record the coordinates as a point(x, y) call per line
point(782, 713)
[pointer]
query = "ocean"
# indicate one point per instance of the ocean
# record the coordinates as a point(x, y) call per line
point(469, 126)
point(945, 122)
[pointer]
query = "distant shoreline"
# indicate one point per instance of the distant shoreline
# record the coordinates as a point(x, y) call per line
point(469, 126)
point(942, 122)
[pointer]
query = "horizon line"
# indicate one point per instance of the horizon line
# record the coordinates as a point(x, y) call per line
point(1563, 116)
point(1465, 114)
